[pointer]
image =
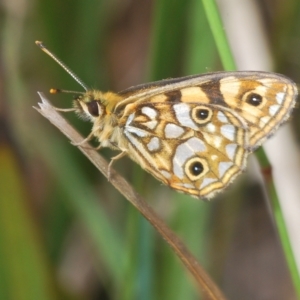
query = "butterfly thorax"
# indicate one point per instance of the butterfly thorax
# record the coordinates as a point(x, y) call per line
point(98, 107)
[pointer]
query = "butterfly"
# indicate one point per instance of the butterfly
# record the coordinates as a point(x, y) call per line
point(193, 133)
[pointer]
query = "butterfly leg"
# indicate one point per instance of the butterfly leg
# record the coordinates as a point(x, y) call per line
point(113, 159)
point(64, 109)
point(87, 139)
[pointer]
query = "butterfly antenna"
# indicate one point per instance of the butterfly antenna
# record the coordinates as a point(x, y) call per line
point(68, 70)
point(56, 91)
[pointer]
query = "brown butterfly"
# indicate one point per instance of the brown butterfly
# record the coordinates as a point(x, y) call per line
point(192, 133)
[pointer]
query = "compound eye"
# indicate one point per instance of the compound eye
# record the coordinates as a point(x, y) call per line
point(93, 108)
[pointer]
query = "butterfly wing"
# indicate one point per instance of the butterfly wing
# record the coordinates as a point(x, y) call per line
point(264, 102)
point(197, 149)
point(263, 99)
point(194, 133)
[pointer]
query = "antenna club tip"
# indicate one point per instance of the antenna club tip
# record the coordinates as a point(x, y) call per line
point(54, 91)
point(39, 44)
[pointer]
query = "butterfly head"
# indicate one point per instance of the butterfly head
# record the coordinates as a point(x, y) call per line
point(95, 104)
point(90, 105)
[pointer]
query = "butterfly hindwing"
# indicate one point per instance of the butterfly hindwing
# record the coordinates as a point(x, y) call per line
point(194, 148)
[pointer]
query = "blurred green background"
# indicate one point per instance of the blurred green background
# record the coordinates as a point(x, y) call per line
point(65, 232)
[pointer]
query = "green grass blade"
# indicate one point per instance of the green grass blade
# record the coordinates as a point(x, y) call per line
point(218, 32)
